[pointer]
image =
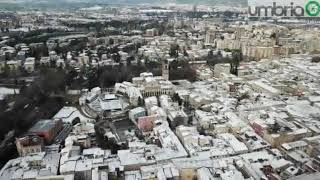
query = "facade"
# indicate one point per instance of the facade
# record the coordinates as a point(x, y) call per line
point(152, 32)
point(29, 144)
point(258, 52)
point(136, 113)
point(150, 85)
point(228, 44)
point(210, 37)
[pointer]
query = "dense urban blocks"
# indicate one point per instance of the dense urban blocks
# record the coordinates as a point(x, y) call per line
point(159, 91)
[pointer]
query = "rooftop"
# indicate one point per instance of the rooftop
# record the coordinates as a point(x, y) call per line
point(43, 125)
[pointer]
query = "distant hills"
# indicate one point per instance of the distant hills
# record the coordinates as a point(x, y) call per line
point(211, 2)
point(16, 5)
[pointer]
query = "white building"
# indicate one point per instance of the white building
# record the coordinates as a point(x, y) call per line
point(29, 64)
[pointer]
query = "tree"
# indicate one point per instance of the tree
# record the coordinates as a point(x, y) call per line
point(227, 50)
point(45, 51)
point(185, 53)
point(92, 76)
point(99, 27)
point(210, 54)
point(111, 41)
point(174, 51)
point(237, 57)
point(174, 65)
point(139, 63)
point(315, 59)
point(53, 81)
point(182, 70)
point(177, 98)
point(58, 49)
point(116, 57)
point(152, 64)
point(109, 77)
point(129, 60)
point(140, 102)
point(71, 75)
point(6, 70)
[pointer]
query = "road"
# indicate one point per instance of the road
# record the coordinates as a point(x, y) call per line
point(67, 128)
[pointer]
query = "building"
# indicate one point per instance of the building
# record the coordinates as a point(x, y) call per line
point(29, 144)
point(57, 177)
point(29, 64)
point(210, 122)
point(110, 103)
point(60, 63)
point(210, 37)
point(128, 89)
point(258, 52)
point(150, 85)
point(165, 69)
point(14, 65)
point(136, 113)
point(175, 114)
point(147, 123)
point(263, 86)
point(220, 69)
point(152, 32)
point(31, 166)
point(47, 129)
point(21, 55)
point(273, 128)
point(45, 61)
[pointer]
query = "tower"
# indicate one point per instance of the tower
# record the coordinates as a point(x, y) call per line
point(238, 33)
point(275, 38)
point(275, 42)
point(210, 37)
point(165, 69)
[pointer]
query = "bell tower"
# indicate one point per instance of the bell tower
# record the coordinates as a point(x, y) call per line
point(165, 69)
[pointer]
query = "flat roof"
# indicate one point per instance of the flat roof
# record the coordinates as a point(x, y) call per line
point(111, 105)
point(43, 125)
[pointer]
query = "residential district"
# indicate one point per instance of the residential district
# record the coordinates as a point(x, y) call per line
point(168, 92)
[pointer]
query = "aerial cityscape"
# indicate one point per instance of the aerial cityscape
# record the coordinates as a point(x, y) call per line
point(159, 90)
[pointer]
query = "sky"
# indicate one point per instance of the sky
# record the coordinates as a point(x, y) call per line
point(132, 1)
